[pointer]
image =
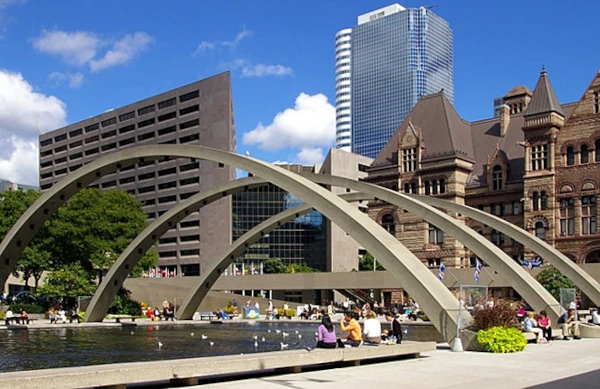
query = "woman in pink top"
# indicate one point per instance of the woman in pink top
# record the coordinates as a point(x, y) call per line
point(545, 324)
point(326, 334)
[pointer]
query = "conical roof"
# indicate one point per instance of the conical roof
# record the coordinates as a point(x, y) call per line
point(544, 99)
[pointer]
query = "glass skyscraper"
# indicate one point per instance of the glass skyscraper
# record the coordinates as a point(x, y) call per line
point(397, 55)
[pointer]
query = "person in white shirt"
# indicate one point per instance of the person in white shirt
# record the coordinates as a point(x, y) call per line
point(372, 329)
point(596, 317)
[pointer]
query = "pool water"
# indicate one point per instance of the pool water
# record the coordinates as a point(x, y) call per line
point(73, 346)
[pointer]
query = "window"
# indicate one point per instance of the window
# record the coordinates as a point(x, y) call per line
point(515, 206)
point(493, 209)
point(427, 188)
point(167, 103)
point(109, 122)
point(436, 236)
point(75, 133)
point(589, 222)
point(442, 186)
point(536, 201)
point(497, 177)
point(145, 123)
point(60, 137)
point(92, 127)
point(597, 150)
point(584, 154)
point(501, 206)
point(597, 102)
point(539, 157)
point(189, 124)
point(567, 222)
point(544, 199)
point(188, 96)
point(434, 262)
point(434, 187)
point(46, 142)
point(570, 156)
point(127, 116)
point(497, 238)
point(413, 187)
point(168, 130)
point(409, 160)
point(167, 116)
point(540, 230)
point(146, 110)
point(128, 128)
point(388, 223)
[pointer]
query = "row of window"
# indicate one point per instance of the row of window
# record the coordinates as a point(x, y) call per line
point(588, 219)
point(125, 117)
point(584, 154)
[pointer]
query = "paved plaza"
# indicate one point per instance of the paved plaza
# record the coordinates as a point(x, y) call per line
point(561, 364)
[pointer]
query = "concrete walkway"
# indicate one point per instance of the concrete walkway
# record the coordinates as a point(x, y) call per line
point(561, 364)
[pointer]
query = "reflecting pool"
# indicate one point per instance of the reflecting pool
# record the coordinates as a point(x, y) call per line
point(80, 346)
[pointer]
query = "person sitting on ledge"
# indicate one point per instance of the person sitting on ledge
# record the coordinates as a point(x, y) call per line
point(222, 315)
point(326, 334)
point(545, 324)
point(396, 328)
point(595, 316)
point(569, 324)
point(354, 338)
point(531, 326)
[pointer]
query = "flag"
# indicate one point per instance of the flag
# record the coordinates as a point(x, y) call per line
point(441, 272)
point(477, 271)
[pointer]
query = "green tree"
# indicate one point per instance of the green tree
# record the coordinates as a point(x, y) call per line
point(366, 263)
point(94, 227)
point(553, 280)
point(274, 266)
point(300, 268)
point(36, 257)
point(67, 283)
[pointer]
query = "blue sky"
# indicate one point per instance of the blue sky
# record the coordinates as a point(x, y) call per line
point(63, 61)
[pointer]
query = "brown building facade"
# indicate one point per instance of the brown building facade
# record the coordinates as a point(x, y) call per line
point(537, 165)
point(200, 113)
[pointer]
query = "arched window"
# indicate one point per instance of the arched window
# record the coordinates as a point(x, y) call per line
point(413, 187)
point(497, 177)
point(584, 155)
point(544, 200)
point(570, 156)
point(427, 188)
point(540, 231)
point(434, 187)
point(387, 222)
point(597, 147)
point(442, 186)
point(536, 201)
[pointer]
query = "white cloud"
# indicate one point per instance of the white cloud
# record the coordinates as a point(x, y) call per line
point(122, 51)
point(310, 156)
point(311, 123)
point(24, 113)
point(21, 166)
point(73, 79)
point(81, 48)
point(205, 46)
point(249, 69)
point(76, 48)
point(261, 70)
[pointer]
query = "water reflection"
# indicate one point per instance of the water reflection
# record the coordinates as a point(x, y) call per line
point(80, 346)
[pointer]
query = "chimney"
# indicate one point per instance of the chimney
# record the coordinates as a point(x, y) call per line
point(504, 119)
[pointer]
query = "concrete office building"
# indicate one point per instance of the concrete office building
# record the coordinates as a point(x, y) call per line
point(200, 113)
point(8, 185)
point(310, 239)
point(397, 55)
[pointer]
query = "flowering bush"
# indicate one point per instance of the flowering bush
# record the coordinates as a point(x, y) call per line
point(494, 313)
point(290, 312)
point(502, 340)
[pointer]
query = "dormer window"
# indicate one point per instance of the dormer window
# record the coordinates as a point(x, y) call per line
point(497, 177)
point(409, 160)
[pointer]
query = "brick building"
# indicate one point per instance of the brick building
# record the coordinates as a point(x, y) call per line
point(537, 165)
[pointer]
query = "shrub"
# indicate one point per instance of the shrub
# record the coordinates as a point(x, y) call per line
point(229, 310)
point(124, 306)
point(502, 340)
point(498, 313)
point(291, 312)
point(2, 316)
point(29, 308)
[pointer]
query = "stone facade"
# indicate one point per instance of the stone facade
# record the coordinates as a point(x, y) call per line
point(536, 165)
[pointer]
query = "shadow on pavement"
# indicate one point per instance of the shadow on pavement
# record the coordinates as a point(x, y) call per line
point(582, 381)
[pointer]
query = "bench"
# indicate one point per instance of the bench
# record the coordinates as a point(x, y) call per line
point(118, 319)
point(18, 319)
point(188, 371)
point(207, 316)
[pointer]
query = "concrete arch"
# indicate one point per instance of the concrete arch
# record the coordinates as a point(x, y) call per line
point(116, 275)
point(531, 290)
point(581, 278)
point(434, 297)
point(192, 301)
